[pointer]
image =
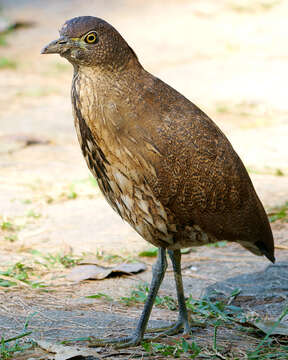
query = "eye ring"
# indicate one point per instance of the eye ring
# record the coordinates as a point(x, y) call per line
point(91, 37)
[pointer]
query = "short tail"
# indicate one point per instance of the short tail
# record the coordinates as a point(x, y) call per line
point(265, 251)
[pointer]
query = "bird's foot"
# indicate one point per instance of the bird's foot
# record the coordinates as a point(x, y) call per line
point(176, 328)
point(172, 329)
point(118, 343)
point(135, 340)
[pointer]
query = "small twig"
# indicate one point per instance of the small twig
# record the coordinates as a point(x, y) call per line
point(219, 355)
point(282, 247)
point(116, 354)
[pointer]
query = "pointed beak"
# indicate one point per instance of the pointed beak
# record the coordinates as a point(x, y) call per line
point(56, 46)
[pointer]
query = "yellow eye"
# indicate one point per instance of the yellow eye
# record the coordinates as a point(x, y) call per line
point(91, 37)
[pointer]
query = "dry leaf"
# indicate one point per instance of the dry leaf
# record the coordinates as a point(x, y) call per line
point(63, 352)
point(267, 325)
point(96, 272)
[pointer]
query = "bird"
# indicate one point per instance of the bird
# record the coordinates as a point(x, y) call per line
point(161, 163)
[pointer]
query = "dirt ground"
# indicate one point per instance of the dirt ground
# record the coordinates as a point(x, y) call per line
point(229, 57)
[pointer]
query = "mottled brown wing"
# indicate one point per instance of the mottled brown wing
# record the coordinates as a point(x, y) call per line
point(199, 176)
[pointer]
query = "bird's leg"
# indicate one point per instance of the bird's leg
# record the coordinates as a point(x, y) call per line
point(182, 322)
point(159, 270)
point(175, 256)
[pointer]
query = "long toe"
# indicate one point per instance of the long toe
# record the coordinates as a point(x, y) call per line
point(175, 328)
point(122, 342)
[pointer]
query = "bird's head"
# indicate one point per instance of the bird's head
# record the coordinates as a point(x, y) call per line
point(91, 41)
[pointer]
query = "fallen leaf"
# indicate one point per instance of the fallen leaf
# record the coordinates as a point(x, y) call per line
point(267, 325)
point(96, 272)
point(130, 268)
point(63, 352)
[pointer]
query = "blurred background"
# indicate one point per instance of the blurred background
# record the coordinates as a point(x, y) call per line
point(227, 56)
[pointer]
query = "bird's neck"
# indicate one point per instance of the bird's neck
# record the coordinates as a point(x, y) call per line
point(101, 96)
point(116, 70)
point(105, 83)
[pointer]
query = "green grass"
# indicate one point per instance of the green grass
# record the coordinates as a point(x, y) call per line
point(248, 6)
point(7, 225)
point(33, 214)
point(19, 272)
point(36, 91)
point(267, 171)
point(266, 349)
point(6, 63)
point(215, 314)
point(72, 193)
point(11, 238)
point(175, 350)
point(30, 275)
point(11, 226)
point(151, 252)
point(221, 314)
point(90, 180)
point(215, 311)
point(26, 201)
point(83, 187)
point(6, 283)
point(99, 296)
point(218, 315)
point(10, 230)
point(61, 67)
point(218, 244)
point(279, 213)
point(139, 295)
point(243, 108)
point(3, 41)
point(55, 260)
point(93, 181)
point(10, 346)
point(114, 258)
